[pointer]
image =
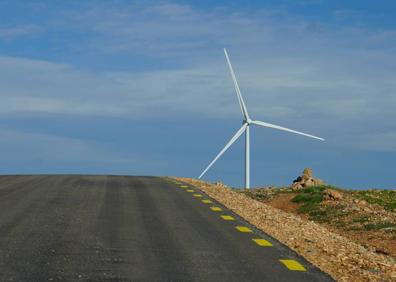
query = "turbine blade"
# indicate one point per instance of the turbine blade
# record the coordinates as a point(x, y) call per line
point(265, 124)
point(238, 91)
point(233, 139)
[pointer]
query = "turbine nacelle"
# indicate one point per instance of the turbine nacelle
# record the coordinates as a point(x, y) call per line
point(247, 121)
point(245, 129)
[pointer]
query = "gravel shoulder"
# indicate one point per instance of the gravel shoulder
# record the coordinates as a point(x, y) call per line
point(336, 255)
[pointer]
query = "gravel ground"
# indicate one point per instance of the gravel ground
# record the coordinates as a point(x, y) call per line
point(343, 259)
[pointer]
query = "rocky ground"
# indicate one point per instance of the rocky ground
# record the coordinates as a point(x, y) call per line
point(349, 234)
point(349, 214)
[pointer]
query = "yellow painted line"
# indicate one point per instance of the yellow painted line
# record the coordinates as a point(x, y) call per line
point(206, 201)
point(215, 209)
point(190, 190)
point(183, 186)
point(262, 242)
point(227, 217)
point(197, 195)
point(291, 264)
point(244, 229)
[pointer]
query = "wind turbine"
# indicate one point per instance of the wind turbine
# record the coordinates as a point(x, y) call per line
point(247, 122)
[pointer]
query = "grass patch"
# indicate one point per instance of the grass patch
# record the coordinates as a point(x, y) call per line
point(314, 189)
point(390, 206)
point(340, 224)
point(309, 198)
point(361, 219)
point(379, 225)
point(353, 228)
point(384, 198)
point(328, 214)
point(308, 208)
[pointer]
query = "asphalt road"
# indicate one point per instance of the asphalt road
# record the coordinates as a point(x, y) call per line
point(120, 228)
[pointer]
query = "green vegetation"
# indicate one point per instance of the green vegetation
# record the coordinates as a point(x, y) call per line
point(380, 225)
point(384, 198)
point(341, 214)
point(388, 227)
point(328, 214)
point(361, 219)
point(310, 198)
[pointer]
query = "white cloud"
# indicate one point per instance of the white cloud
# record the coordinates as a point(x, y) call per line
point(8, 32)
point(288, 71)
point(38, 86)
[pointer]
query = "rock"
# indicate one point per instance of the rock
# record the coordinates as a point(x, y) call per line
point(296, 186)
point(319, 181)
point(363, 203)
point(306, 180)
point(220, 184)
point(332, 195)
point(307, 173)
point(298, 179)
point(309, 182)
point(355, 208)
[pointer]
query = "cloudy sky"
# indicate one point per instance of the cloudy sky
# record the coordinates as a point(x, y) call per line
point(123, 87)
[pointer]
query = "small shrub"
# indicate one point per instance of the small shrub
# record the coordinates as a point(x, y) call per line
point(301, 198)
point(310, 195)
point(361, 219)
point(319, 215)
point(310, 198)
point(379, 225)
point(314, 189)
point(308, 207)
point(390, 206)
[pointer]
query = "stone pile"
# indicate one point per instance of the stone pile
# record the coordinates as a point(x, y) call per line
point(306, 180)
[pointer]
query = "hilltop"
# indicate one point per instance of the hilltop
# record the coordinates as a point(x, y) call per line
point(364, 216)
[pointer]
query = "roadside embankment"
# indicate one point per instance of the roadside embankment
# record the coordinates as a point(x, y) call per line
point(337, 255)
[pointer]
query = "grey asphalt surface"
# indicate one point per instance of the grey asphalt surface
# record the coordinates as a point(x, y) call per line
point(123, 228)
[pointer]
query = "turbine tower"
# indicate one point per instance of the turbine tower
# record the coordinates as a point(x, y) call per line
point(247, 122)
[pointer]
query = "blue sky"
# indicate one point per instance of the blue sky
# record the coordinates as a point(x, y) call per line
point(142, 87)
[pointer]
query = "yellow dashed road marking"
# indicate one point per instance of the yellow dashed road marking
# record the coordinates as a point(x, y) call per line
point(207, 201)
point(244, 229)
point(183, 186)
point(197, 195)
point(190, 190)
point(215, 209)
point(291, 264)
point(227, 217)
point(262, 242)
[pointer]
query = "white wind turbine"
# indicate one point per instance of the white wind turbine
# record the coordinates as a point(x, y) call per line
point(247, 122)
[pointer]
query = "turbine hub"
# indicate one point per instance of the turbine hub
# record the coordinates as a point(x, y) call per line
point(248, 121)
